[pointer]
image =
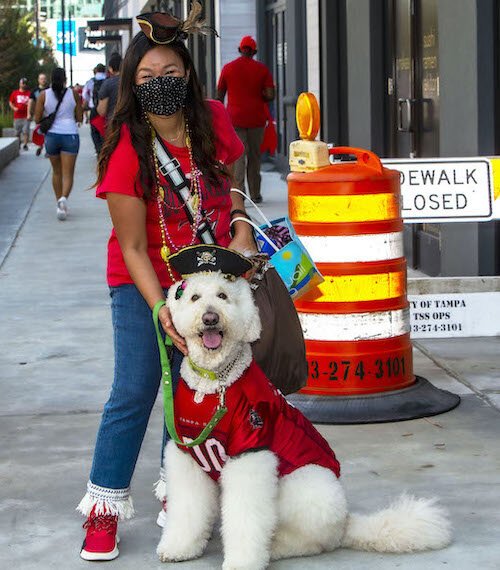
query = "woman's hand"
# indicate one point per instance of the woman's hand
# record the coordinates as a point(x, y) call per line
point(168, 326)
point(243, 240)
point(243, 244)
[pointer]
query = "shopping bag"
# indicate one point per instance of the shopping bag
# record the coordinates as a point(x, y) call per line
point(270, 140)
point(38, 138)
point(289, 256)
point(277, 238)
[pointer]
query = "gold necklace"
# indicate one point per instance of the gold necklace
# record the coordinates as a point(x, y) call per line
point(195, 192)
point(179, 133)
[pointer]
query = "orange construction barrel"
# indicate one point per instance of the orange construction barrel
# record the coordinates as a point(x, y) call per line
point(356, 323)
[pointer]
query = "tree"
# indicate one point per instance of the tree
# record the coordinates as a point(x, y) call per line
point(19, 56)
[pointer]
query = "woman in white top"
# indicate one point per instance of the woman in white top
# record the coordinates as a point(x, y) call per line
point(62, 141)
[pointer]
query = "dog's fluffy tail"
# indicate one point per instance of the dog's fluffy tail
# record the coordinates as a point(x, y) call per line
point(407, 525)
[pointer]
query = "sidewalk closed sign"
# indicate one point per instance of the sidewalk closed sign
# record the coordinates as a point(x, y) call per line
point(448, 189)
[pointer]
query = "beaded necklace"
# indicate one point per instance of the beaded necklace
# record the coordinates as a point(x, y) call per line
point(168, 245)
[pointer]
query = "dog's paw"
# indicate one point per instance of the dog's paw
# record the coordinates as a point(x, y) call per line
point(170, 549)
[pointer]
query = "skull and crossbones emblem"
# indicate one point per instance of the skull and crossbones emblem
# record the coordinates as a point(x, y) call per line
point(206, 258)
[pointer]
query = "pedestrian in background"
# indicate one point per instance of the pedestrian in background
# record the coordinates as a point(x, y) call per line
point(108, 93)
point(90, 96)
point(249, 86)
point(42, 85)
point(62, 141)
point(18, 102)
point(159, 96)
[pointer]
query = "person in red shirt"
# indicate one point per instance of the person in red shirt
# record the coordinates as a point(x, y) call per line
point(18, 102)
point(249, 86)
point(160, 106)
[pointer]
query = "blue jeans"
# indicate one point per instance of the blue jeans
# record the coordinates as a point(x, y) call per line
point(135, 387)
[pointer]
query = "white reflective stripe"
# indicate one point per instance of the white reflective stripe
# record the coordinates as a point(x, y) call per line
point(362, 247)
point(355, 326)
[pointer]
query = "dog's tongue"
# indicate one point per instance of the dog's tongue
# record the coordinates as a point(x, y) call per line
point(212, 339)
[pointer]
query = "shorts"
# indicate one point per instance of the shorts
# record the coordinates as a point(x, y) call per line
point(55, 144)
point(21, 126)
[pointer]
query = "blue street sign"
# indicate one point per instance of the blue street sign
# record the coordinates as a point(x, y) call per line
point(69, 37)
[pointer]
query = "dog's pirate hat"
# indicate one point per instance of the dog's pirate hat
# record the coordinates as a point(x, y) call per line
point(205, 257)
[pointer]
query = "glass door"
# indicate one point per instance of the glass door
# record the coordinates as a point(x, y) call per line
point(276, 40)
point(415, 84)
point(427, 79)
point(403, 127)
point(414, 98)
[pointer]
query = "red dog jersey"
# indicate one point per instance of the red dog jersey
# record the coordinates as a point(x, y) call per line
point(258, 417)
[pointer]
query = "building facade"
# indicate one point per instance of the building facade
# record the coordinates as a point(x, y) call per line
point(404, 78)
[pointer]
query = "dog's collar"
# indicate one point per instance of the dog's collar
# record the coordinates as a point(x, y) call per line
point(210, 374)
point(203, 372)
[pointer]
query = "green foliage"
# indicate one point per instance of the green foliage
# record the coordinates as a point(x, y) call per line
point(6, 118)
point(19, 57)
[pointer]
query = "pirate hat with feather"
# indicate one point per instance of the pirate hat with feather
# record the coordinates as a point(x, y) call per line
point(163, 29)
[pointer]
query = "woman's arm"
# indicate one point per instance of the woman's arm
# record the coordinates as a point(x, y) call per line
point(243, 240)
point(40, 104)
point(128, 214)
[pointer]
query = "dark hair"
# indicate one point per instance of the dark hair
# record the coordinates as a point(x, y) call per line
point(57, 81)
point(99, 68)
point(128, 112)
point(115, 61)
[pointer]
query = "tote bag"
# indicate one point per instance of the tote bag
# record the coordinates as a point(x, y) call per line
point(280, 351)
point(287, 253)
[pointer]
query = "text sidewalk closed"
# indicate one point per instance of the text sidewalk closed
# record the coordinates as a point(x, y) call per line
point(445, 190)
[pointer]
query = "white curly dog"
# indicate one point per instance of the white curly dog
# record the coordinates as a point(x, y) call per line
point(265, 515)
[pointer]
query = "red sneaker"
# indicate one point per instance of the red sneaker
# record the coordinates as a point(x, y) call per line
point(101, 542)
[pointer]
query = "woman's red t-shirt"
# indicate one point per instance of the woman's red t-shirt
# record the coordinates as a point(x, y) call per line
point(122, 177)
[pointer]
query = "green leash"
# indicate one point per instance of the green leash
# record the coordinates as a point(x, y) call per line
point(168, 396)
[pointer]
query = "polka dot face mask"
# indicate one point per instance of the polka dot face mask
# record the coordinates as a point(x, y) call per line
point(162, 95)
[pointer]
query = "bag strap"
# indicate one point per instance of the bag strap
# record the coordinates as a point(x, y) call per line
point(60, 101)
point(172, 171)
point(257, 229)
point(168, 395)
point(245, 197)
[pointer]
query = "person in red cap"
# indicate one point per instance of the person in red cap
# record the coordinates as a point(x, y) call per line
point(249, 86)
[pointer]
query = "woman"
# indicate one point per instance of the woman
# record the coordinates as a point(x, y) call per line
point(62, 141)
point(159, 96)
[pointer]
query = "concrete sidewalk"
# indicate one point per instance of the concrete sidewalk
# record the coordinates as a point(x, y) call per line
point(56, 370)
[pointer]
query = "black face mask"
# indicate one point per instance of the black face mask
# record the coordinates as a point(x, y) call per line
point(162, 95)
